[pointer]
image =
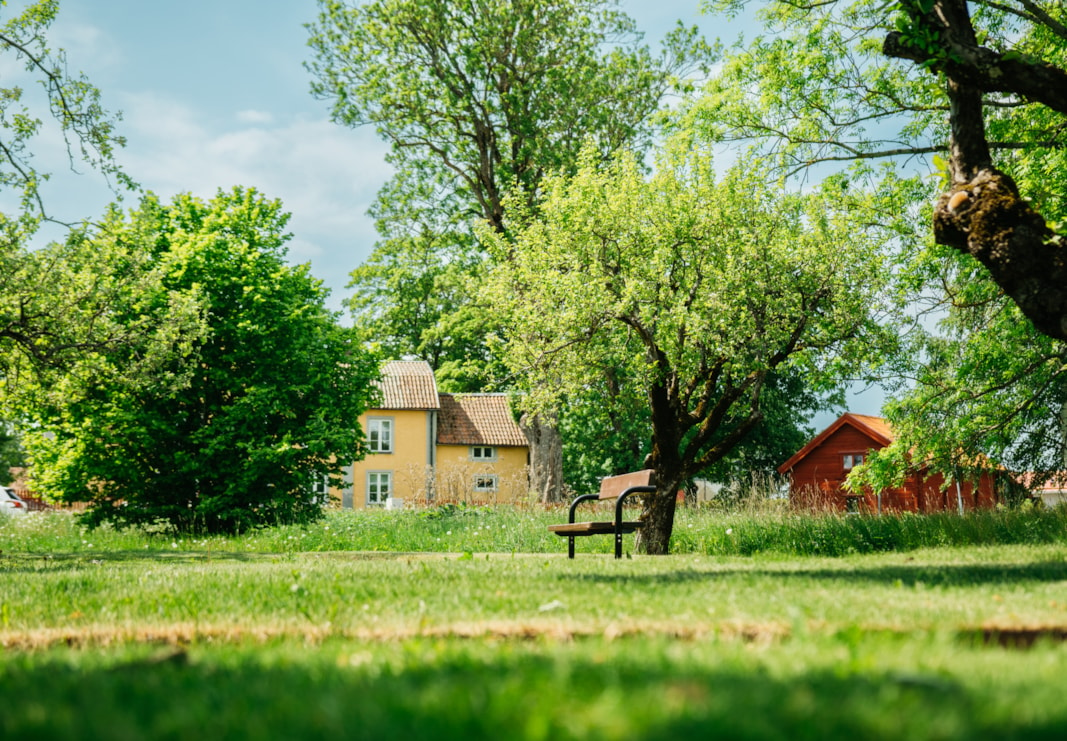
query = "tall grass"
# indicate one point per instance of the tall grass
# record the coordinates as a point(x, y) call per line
point(835, 535)
point(745, 531)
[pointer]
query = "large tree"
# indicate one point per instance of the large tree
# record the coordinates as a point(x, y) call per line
point(698, 290)
point(865, 78)
point(974, 92)
point(476, 98)
point(237, 433)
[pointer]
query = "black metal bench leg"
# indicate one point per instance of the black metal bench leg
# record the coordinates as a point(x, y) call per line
point(570, 546)
point(618, 543)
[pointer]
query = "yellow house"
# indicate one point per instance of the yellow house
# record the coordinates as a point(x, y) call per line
point(427, 448)
point(482, 454)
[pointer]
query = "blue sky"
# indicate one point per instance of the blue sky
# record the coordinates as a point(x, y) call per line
point(213, 94)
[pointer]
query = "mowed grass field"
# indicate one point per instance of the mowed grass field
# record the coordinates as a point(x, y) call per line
point(296, 633)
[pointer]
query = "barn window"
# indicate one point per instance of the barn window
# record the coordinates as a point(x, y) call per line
point(851, 460)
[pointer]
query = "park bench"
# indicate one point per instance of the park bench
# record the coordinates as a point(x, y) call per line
point(611, 487)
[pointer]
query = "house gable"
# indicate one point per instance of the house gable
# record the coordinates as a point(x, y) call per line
point(856, 432)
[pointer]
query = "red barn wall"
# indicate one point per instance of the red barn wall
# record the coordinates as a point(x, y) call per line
point(817, 482)
point(818, 476)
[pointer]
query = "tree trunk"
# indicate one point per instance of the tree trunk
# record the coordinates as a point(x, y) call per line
point(546, 457)
point(654, 538)
point(987, 219)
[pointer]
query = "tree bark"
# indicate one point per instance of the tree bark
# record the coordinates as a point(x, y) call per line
point(987, 218)
point(654, 537)
point(546, 457)
point(984, 215)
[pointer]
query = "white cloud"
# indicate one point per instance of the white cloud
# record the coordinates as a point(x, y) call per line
point(326, 175)
point(84, 43)
point(255, 118)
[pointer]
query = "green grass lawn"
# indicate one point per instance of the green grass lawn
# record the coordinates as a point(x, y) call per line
point(121, 635)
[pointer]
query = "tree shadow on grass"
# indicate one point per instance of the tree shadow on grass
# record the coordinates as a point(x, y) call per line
point(949, 575)
point(39, 563)
point(426, 690)
point(20, 562)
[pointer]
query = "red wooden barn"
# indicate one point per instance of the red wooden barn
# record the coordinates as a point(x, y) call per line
point(818, 470)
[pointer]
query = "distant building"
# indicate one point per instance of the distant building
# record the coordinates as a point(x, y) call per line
point(817, 473)
point(1050, 491)
point(427, 448)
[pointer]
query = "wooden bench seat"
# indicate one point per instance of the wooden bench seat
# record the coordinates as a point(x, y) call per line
point(618, 488)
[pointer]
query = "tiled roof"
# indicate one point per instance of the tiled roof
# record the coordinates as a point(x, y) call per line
point(478, 419)
point(409, 384)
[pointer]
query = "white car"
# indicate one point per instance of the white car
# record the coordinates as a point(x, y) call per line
point(11, 503)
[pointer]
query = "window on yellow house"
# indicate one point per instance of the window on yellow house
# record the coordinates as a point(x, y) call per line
point(379, 487)
point(483, 453)
point(321, 489)
point(380, 434)
point(486, 483)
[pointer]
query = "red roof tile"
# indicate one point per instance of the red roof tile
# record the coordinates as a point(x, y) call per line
point(408, 384)
point(478, 419)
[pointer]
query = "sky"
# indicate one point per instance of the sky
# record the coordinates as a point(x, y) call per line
point(213, 94)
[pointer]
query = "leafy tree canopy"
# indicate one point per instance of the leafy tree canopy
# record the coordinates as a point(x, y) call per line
point(978, 89)
point(477, 98)
point(54, 310)
point(871, 79)
point(698, 290)
point(262, 406)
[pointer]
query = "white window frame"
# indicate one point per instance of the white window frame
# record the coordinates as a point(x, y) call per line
point(380, 433)
point(486, 483)
point(851, 460)
point(320, 487)
point(483, 453)
point(375, 481)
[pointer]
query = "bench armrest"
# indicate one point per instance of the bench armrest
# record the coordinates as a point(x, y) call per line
point(578, 500)
point(624, 495)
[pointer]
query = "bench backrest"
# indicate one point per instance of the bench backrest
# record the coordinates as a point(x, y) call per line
point(612, 486)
